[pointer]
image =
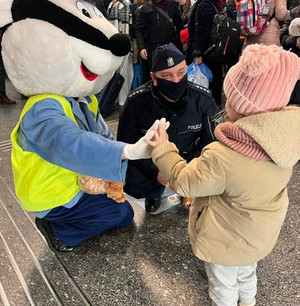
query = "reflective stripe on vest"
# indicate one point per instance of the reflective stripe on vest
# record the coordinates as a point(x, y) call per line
point(40, 185)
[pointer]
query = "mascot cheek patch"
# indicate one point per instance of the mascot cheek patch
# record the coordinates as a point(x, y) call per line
point(90, 76)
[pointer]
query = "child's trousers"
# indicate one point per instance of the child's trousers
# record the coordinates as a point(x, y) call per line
point(230, 284)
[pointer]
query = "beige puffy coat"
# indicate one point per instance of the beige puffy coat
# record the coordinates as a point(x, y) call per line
point(271, 35)
point(240, 203)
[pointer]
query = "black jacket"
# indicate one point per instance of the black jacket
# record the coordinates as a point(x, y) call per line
point(287, 41)
point(101, 7)
point(291, 4)
point(199, 28)
point(191, 123)
point(153, 29)
point(133, 7)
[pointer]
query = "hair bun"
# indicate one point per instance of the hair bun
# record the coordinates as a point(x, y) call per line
point(257, 59)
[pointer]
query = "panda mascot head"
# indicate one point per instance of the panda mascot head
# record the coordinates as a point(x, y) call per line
point(59, 47)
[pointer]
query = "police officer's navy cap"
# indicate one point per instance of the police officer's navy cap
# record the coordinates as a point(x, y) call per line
point(165, 57)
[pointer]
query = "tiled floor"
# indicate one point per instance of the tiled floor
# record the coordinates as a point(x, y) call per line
point(148, 263)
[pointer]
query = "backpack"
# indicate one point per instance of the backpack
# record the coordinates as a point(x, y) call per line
point(253, 16)
point(224, 39)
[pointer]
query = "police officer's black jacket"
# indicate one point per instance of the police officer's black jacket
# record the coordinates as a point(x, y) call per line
point(192, 122)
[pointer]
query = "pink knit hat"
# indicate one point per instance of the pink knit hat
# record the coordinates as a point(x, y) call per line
point(262, 80)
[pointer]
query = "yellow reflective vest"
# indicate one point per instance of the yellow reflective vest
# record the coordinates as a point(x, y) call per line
point(40, 185)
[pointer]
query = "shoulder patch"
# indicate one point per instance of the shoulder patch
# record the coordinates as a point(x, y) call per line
point(138, 91)
point(218, 118)
point(202, 89)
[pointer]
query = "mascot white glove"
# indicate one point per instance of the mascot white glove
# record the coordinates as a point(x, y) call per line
point(140, 149)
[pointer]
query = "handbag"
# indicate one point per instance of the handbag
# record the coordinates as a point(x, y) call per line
point(109, 94)
point(199, 74)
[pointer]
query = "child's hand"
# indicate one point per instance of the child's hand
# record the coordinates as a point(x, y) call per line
point(160, 136)
point(161, 179)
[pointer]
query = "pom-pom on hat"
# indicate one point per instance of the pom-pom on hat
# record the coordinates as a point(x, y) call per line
point(262, 80)
point(165, 57)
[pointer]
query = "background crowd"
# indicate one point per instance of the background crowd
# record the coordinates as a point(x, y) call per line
point(187, 24)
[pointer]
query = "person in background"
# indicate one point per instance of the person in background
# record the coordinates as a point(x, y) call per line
point(101, 7)
point(287, 40)
point(231, 12)
point(278, 13)
point(189, 108)
point(155, 28)
point(118, 14)
point(291, 41)
point(292, 4)
point(185, 7)
point(199, 28)
point(133, 7)
point(3, 97)
point(237, 215)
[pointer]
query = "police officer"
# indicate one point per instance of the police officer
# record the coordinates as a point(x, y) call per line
point(190, 109)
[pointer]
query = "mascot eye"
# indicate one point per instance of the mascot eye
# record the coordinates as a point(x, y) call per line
point(98, 13)
point(83, 9)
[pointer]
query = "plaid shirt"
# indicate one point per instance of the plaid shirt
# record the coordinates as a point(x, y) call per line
point(118, 14)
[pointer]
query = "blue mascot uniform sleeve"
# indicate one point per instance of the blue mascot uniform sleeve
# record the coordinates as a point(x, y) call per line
point(57, 139)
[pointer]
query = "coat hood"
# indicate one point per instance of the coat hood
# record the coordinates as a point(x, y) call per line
point(278, 133)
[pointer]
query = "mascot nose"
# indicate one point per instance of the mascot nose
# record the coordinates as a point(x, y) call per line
point(119, 44)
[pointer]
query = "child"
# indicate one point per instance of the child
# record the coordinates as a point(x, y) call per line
point(240, 181)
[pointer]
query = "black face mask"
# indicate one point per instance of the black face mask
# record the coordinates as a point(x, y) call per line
point(172, 90)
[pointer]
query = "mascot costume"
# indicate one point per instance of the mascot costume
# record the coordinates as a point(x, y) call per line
point(59, 54)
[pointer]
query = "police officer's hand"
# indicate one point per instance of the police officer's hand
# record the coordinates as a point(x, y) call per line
point(156, 123)
point(198, 60)
point(144, 54)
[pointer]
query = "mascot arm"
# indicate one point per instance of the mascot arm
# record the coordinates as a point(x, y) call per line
point(57, 139)
point(105, 131)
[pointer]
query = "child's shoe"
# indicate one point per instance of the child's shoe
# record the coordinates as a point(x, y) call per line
point(251, 304)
